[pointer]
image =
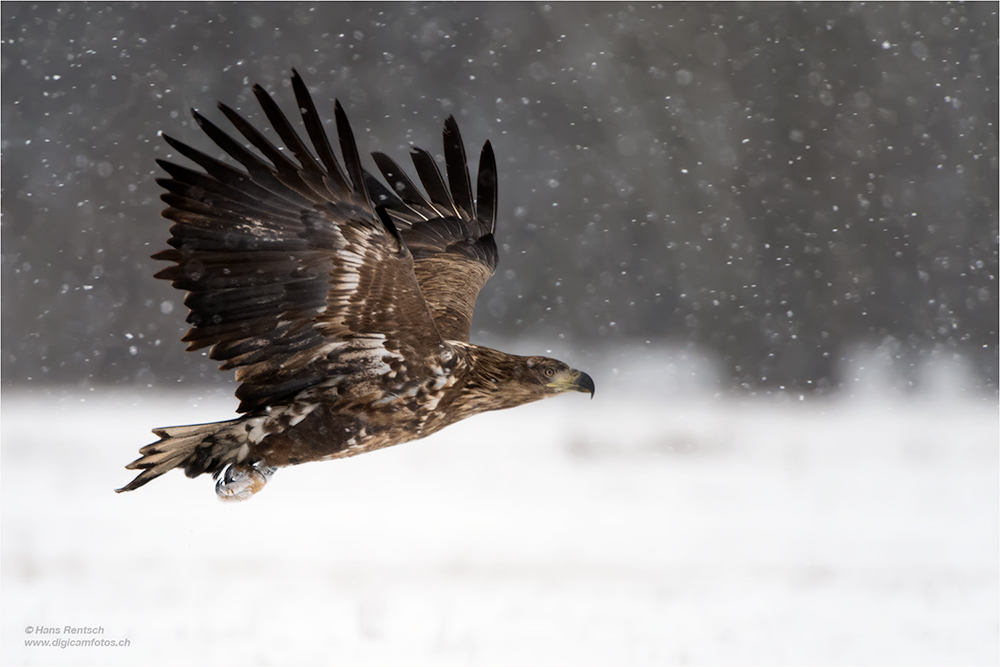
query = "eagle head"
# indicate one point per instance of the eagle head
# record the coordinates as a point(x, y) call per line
point(497, 380)
point(551, 376)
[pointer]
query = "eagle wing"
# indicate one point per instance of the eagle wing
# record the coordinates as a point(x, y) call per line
point(294, 277)
point(449, 233)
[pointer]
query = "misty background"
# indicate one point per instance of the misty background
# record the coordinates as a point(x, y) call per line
point(771, 187)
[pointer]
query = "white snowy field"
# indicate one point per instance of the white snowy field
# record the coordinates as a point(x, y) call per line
point(625, 530)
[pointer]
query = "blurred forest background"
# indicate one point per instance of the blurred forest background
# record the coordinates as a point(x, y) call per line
point(772, 184)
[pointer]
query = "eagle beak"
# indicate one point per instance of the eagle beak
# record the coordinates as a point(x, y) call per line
point(574, 380)
point(583, 382)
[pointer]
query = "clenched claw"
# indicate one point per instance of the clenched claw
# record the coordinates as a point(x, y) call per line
point(240, 481)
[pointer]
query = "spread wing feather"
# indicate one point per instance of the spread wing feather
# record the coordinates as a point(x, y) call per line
point(450, 236)
point(349, 149)
point(405, 191)
point(486, 188)
point(458, 171)
point(293, 278)
point(430, 177)
point(317, 135)
point(228, 175)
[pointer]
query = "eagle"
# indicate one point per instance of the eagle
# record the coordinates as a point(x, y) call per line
point(343, 304)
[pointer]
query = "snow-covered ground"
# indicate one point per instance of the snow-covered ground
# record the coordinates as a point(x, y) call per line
point(633, 529)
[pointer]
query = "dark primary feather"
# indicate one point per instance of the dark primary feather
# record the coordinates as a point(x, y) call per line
point(402, 188)
point(486, 188)
point(458, 170)
point(430, 178)
point(349, 149)
point(314, 126)
point(296, 276)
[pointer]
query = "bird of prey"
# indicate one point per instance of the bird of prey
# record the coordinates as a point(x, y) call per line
point(343, 304)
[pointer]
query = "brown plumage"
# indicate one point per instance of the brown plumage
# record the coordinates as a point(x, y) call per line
point(343, 305)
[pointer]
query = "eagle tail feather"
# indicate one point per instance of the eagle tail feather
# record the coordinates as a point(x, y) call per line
point(196, 448)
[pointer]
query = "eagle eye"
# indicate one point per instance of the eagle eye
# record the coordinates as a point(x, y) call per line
point(549, 372)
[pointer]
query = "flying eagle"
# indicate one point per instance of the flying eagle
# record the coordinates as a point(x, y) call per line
point(344, 305)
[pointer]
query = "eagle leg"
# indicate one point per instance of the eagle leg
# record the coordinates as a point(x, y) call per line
point(241, 480)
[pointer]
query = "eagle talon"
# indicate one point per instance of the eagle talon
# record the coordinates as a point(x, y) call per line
point(239, 482)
